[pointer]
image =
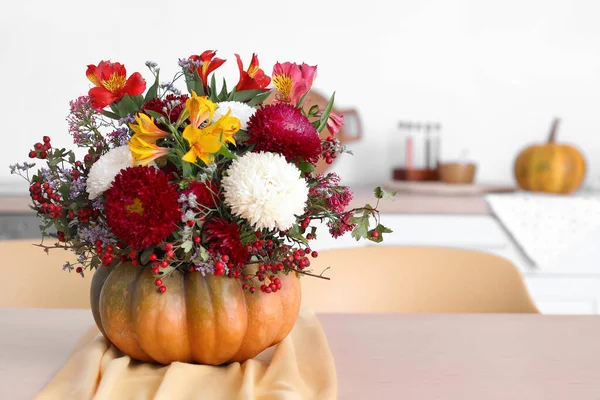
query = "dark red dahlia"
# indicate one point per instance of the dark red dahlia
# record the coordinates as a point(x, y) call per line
point(141, 207)
point(206, 193)
point(171, 106)
point(224, 237)
point(281, 128)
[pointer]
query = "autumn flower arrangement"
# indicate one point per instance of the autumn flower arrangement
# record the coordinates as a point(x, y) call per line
point(204, 182)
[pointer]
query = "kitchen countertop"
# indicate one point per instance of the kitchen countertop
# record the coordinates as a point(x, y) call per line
point(406, 202)
point(421, 203)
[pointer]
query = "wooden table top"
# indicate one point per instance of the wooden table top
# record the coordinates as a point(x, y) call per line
point(378, 356)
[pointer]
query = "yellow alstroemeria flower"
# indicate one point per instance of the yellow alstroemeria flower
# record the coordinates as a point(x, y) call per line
point(202, 145)
point(143, 152)
point(147, 129)
point(224, 128)
point(200, 108)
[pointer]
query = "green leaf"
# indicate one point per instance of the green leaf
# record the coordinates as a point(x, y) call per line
point(326, 112)
point(114, 107)
point(138, 101)
point(259, 99)
point(186, 169)
point(296, 232)
point(223, 94)
point(154, 114)
point(301, 102)
point(246, 95)
point(305, 166)
point(204, 254)
point(127, 106)
point(313, 110)
point(224, 151)
point(71, 157)
point(54, 162)
point(382, 194)
point(361, 230)
point(380, 229)
point(64, 190)
point(111, 114)
point(145, 254)
point(195, 84)
point(187, 246)
point(185, 113)
point(213, 89)
point(152, 93)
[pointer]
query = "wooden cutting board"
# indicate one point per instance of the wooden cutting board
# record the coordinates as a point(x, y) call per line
point(447, 189)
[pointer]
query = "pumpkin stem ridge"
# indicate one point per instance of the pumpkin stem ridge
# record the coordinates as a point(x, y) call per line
point(553, 130)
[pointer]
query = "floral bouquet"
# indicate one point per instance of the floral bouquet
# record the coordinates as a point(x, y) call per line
point(214, 183)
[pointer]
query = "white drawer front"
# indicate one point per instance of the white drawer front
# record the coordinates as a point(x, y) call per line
point(565, 295)
point(478, 232)
point(465, 231)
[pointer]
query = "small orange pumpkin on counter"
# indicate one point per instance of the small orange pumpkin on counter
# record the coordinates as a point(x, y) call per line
point(551, 167)
point(204, 319)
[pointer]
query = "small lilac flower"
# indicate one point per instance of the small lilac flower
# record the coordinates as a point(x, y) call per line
point(126, 120)
point(204, 268)
point(98, 204)
point(91, 234)
point(118, 137)
point(77, 187)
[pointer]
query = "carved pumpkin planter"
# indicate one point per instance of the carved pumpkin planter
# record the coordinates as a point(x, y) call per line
point(204, 319)
point(551, 167)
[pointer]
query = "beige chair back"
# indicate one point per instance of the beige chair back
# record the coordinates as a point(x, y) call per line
point(385, 279)
point(373, 279)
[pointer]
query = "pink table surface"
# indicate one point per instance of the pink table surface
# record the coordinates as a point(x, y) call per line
point(378, 356)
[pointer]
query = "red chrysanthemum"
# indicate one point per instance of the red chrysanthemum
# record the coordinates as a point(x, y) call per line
point(281, 128)
point(171, 106)
point(224, 237)
point(141, 207)
point(206, 193)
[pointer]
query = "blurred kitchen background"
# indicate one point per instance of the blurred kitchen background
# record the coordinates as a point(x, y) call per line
point(474, 81)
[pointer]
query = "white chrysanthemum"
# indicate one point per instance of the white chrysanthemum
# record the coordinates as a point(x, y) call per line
point(266, 190)
point(241, 111)
point(104, 170)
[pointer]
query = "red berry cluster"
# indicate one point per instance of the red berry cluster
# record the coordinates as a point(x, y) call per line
point(85, 214)
point(105, 253)
point(305, 222)
point(40, 150)
point(329, 149)
point(272, 287)
point(157, 264)
point(298, 258)
point(45, 195)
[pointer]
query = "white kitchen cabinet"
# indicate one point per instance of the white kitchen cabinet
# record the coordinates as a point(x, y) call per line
point(570, 286)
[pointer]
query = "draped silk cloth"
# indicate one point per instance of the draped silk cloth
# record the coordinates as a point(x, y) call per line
point(300, 367)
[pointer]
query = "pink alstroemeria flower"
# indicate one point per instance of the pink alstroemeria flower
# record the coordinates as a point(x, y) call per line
point(335, 122)
point(292, 81)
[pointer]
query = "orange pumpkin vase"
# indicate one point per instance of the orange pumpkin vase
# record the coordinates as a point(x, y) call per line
point(203, 319)
point(551, 167)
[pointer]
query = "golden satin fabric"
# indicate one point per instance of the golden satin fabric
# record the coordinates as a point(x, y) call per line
point(300, 367)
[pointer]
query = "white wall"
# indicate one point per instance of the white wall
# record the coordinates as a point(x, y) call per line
point(493, 72)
